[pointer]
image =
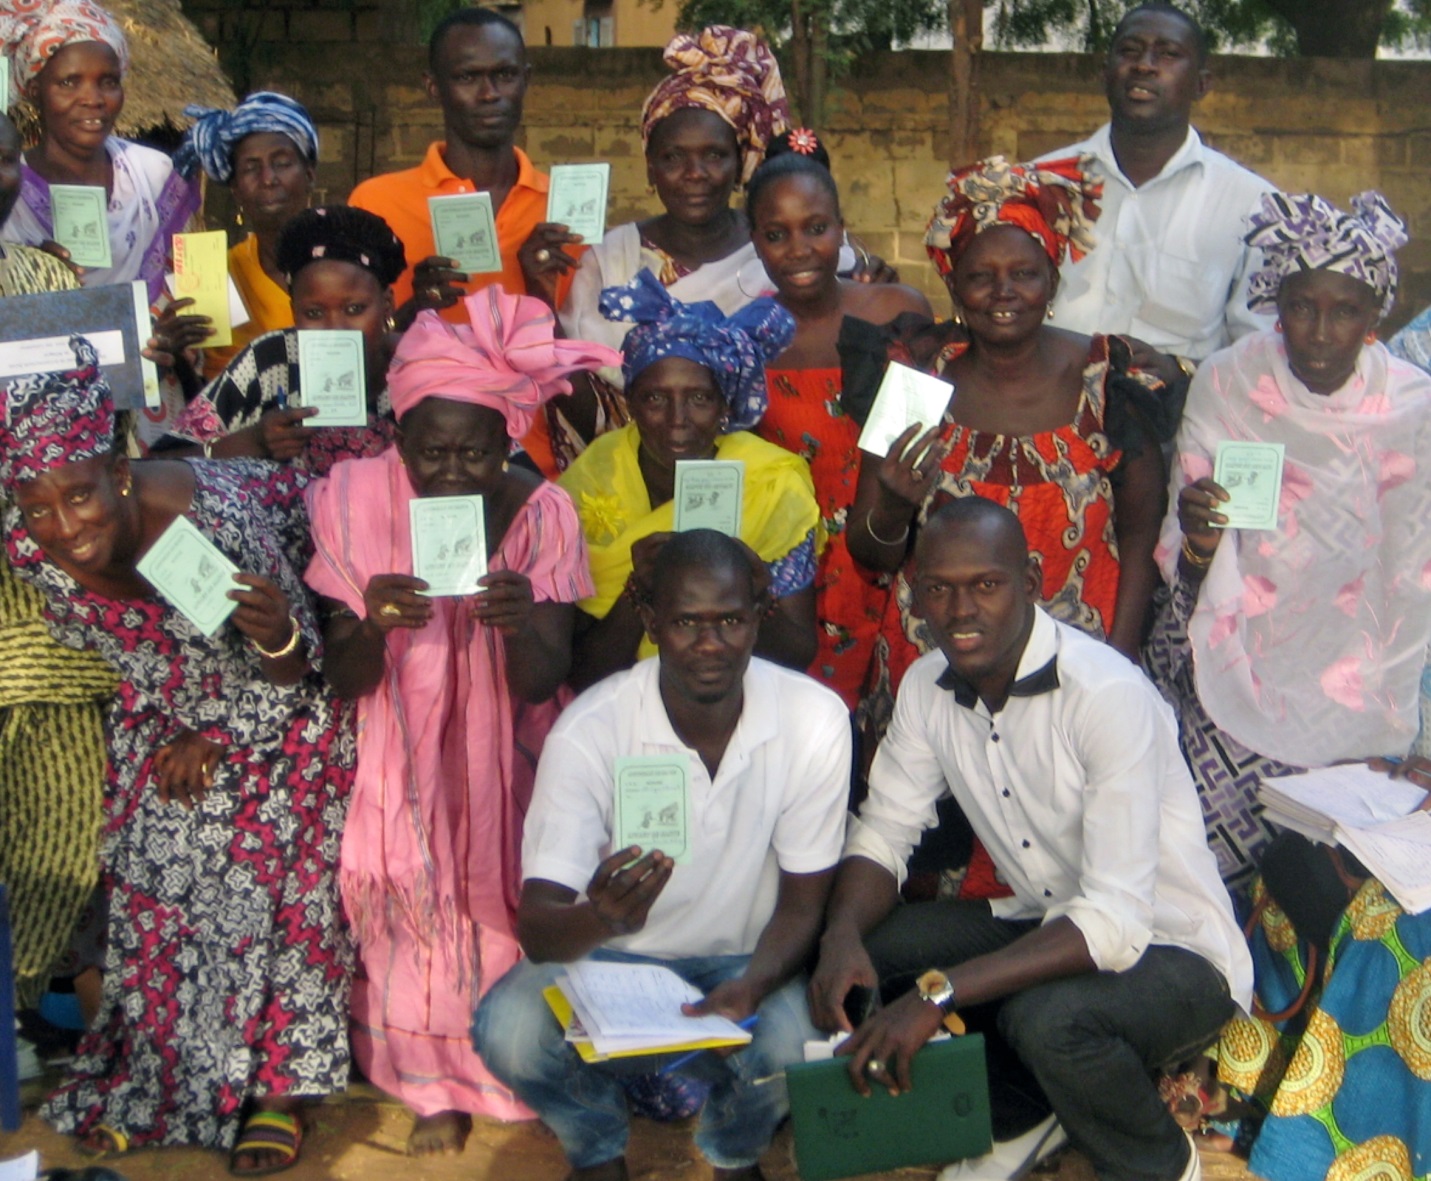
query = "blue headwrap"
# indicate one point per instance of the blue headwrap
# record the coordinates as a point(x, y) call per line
point(211, 140)
point(733, 348)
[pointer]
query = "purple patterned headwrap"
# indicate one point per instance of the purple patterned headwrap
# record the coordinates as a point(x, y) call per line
point(1302, 232)
point(50, 419)
point(735, 348)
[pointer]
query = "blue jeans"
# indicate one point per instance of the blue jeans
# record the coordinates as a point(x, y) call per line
point(583, 1103)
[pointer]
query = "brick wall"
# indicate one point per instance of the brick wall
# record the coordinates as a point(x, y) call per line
point(1335, 127)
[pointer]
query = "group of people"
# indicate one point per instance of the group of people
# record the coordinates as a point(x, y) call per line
point(974, 727)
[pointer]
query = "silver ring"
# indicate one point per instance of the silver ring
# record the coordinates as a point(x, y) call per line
point(873, 1067)
point(543, 255)
point(917, 475)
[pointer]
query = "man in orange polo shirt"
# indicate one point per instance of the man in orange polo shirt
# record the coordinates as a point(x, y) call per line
point(478, 73)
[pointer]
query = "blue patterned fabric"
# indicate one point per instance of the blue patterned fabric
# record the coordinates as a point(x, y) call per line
point(210, 142)
point(735, 349)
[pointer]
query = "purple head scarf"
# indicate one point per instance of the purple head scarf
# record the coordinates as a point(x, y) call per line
point(1302, 232)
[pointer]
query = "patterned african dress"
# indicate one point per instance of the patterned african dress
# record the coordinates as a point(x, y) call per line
point(51, 740)
point(264, 376)
point(227, 968)
point(1060, 484)
point(1347, 1081)
point(805, 416)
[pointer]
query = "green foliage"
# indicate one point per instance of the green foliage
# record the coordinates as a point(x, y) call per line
point(1230, 24)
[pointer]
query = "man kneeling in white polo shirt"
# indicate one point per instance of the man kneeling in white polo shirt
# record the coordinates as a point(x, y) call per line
point(769, 754)
point(1117, 953)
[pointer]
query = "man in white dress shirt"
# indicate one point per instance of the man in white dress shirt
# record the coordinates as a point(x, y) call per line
point(1117, 954)
point(1170, 268)
point(769, 757)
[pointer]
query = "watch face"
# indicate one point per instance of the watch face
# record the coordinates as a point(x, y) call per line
point(934, 986)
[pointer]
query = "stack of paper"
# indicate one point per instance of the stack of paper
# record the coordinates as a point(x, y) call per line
point(620, 1010)
point(1368, 813)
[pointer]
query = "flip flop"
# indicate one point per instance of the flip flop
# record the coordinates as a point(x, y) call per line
point(118, 1143)
point(268, 1131)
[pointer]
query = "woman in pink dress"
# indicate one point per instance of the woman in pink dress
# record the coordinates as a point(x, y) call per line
point(455, 694)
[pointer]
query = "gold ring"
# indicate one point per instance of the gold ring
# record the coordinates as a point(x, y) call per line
point(543, 255)
point(874, 1066)
point(391, 610)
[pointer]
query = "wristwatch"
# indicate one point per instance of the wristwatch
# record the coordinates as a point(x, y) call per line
point(935, 988)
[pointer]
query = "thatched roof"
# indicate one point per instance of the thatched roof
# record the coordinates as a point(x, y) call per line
point(171, 65)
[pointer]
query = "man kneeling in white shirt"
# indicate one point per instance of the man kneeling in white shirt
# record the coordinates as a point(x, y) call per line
point(769, 754)
point(1117, 954)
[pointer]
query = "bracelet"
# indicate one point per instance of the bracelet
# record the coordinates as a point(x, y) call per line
point(288, 649)
point(1194, 559)
point(869, 528)
point(208, 447)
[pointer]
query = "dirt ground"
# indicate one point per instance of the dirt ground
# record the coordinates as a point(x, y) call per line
point(361, 1136)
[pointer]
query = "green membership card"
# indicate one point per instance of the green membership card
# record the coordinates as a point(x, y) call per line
point(449, 543)
point(331, 376)
point(1252, 475)
point(81, 222)
point(709, 494)
point(577, 198)
point(192, 573)
point(653, 805)
point(464, 230)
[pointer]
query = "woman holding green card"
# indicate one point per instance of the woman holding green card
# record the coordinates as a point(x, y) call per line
point(68, 58)
point(1303, 645)
point(227, 965)
point(341, 264)
point(696, 382)
point(454, 693)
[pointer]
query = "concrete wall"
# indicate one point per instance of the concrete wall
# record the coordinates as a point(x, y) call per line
point(1335, 127)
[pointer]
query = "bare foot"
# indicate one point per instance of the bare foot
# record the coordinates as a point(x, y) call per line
point(612, 1170)
point(258, 1161)
point(443, 1134)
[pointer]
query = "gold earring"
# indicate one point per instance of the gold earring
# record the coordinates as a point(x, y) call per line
point(238, 218)
point(505, 465)
point(1371, 337)
point(390, 324)
point(125, 490)
point(1048, 315)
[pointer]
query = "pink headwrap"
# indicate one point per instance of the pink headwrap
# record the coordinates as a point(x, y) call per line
point(32, 32)
point(508, 358)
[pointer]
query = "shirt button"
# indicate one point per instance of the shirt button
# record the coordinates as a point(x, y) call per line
point(1048, 893)
point(1006, 793)
point(1026, 844)
point(995, 736)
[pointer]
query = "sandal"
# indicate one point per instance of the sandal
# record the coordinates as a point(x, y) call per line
point(268, 1131)
point(117, 1146)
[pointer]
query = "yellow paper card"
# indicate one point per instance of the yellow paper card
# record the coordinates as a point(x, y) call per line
point(201, 273)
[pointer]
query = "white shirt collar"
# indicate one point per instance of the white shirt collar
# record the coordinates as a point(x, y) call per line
point(1190, 154)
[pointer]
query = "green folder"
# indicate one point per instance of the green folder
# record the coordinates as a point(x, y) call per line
point(943, 1118)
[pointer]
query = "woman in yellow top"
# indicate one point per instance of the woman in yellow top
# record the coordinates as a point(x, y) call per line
point(695, 381)
point(265, 150)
